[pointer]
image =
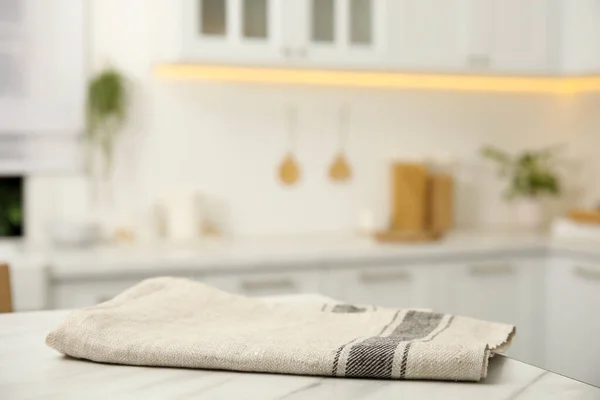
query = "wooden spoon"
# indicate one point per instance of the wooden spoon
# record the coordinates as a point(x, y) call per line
point(289, 170)
point(340, 169)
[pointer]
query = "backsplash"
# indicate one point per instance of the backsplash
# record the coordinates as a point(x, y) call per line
point(226, 141)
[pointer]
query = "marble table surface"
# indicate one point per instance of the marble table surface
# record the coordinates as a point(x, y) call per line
point(31, 370)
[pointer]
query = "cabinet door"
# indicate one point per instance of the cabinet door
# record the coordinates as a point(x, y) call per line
point(340, 33)
point(84, 294)
point(428, 34)
point(387, 286)
point(42, 80)
point(519, 35)
point(266, 284)
point(501, 291)
point(573, 324)
point(233, 30)
point(580, 30)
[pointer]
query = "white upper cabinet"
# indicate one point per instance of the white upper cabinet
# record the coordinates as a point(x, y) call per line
point(327, 33)
point(478, 36)
point(511, 37)
point(520, 37)
point(341, 33)
point(428, 34)
point(42, 76)
point(580, 31)
point(247, 31)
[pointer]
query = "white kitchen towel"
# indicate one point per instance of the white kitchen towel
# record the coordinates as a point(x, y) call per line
point(174, 322)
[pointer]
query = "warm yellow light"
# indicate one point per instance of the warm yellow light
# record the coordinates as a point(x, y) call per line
point(381, 79)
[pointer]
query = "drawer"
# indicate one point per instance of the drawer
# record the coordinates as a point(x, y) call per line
point(389, 286)
point(267, 284)
point(85, 294)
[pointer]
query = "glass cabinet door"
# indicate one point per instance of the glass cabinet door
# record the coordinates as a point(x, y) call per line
point(255, 19)
point(244, 30)
point(347, 31)
point(212, 18)
point(360, 22)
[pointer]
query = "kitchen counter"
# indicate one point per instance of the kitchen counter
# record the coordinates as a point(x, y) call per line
point(281, 252)
point(35, 270)
point(30, 369)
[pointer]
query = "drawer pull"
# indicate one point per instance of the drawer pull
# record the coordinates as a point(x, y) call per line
point(379, 277)
point(491, 270)
point(588, 273)
point(285, 284)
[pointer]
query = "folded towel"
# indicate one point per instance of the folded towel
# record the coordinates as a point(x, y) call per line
point(172, 322)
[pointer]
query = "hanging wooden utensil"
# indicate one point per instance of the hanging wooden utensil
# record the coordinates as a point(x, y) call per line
point(289, 171)
point(340, 169)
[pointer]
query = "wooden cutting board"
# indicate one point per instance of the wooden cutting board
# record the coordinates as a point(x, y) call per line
point(406, 236)
point(440, 208)
point(585, 216)
point(409, 197)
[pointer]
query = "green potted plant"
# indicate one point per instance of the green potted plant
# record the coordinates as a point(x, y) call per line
point(106, 114)
point(532, 176)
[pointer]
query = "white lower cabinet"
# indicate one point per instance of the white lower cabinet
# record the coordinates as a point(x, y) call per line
point(68, 295)
point(410, 286)
point(553, 302)
point(573, 319)
point(76, 294)
point(508, 291)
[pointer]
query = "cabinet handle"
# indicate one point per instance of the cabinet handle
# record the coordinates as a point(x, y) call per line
point(491, 270)
point(588, 273)
point(287, 52)
point(279, 283)
point(478, 61)
point(387, 276)
point(302, 53)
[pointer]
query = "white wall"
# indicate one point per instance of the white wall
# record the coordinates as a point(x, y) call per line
point(227, 139)
point(584, 126)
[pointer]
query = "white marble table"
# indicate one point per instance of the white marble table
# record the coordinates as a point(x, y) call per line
point(31, 370)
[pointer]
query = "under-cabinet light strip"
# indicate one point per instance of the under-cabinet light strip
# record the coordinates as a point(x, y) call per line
point(560, 85)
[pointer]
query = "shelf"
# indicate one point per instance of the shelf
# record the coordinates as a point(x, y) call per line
point(374, 79)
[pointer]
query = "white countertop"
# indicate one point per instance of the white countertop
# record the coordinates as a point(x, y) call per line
point(30, 369)
point(272, 252)
point(280, 252)
point(32, 267)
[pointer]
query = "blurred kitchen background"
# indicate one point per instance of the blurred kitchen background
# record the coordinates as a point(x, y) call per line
point(347, 147)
